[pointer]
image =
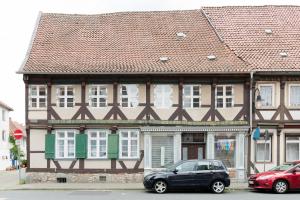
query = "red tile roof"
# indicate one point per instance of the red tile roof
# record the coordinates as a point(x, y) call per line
point(13, 125)
point(3, 105)
point(130, 42)
point(243, 29)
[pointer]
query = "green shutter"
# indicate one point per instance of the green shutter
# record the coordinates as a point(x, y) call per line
point(81, 146)
point(50, 146)
point(113, 146)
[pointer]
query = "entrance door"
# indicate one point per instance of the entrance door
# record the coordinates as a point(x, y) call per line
point(193, 151)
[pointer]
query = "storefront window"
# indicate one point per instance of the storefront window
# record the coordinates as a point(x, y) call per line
point(225, 149)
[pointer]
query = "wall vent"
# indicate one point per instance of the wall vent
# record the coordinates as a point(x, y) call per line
point(102, 178)
point(61, 179)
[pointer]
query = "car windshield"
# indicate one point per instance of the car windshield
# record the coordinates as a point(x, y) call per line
point(281, 167)
point(171, 167)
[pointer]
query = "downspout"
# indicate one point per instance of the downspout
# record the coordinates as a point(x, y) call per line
point(250, 124)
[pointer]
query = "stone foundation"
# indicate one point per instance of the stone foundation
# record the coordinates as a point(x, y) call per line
point(43, 177)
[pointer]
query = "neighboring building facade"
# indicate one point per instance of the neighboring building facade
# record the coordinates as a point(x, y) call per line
point(13, 126)
point(267, 38)
point(5, 159)
point(111, 97)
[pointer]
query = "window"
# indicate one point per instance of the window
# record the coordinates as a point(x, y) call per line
point(98, 96)
point(97, 144)
point(224, 96)
point(162, 151)
point(261, 145)
point(186, 167)
point(129, 95)
point(267, 95)
point(294, 97)
point(37, 96)
point(292, 148)
point(225, 149)
point(65, 144)
point(3, 136)
point(3, 115)
point(65, 96)
point(202, 165)
point(163, 96)
point(129, 144)
point(191, 96)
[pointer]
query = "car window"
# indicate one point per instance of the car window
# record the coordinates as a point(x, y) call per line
point(281, 167)
point(297, 169)
point(185, 167)
point(217, 166)
point(203, 165)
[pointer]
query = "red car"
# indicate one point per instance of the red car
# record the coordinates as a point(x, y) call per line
point(279, 179)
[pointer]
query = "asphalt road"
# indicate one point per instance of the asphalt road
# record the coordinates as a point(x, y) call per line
point(141, 195)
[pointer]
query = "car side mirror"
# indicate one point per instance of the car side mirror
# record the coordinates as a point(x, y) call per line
point(175, 171)
point(294, 171)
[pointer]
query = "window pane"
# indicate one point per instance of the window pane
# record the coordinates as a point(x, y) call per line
point(102, 90)
point(61, 134)
point(220, 91)
point(102, 102)
point(124, 134)
point(71, 134)
point(219, 103)
point(42, 91)
point(42, 102)
point(187, 102)
point(61, 102)
point(71, 152)
point(102, 134)
point(33, 90)
point(260, 152)
point(94, 91)
point(295, 95)
point(70, 91)
point(196, 103)
point(196, 91)
point(186, 90)
point(124, 90)
point(225, 149)
point(292, 152)
point(61, 91)
point(134, 134)
point(124, 102)
point(33, 102)
point(266, 95)
point(202, 165)
point(228, 102)
point(70, 102)
point(186, 167)
point(228, 91)
point(94, 102)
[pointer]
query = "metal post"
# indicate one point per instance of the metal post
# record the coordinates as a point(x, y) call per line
point(18, 157)
point(265, 152)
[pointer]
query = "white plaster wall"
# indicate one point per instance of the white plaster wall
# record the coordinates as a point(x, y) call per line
point(267, 115)
point(37, 139)
point(97, 164)
point(4, 145)
point(99, 113)
point(197, 113)
point(37, 114)
point(37, 160)
point(229, 113)
point(205, 95)
point(238, 93)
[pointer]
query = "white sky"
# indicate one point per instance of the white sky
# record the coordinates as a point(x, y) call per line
point(18, 17)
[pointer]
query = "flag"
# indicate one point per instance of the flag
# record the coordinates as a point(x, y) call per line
point(256, 134)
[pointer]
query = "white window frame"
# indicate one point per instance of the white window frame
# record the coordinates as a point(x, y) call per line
point(292, 142)
point(128, 96)
point(66, 138)
point(129, 143)
point(290, 105)
point(191, 96)
point(3, 136)
point(224, 96)
point(37, 96)
point(262, 141)
point(163, 96)
point(98, 131)
point(98, 96)
point(273, 93)
point(3, 115)
point(66, 96)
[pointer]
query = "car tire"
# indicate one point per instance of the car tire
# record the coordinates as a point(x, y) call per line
point(280, 187)
point(160, 186)
point(217, 187)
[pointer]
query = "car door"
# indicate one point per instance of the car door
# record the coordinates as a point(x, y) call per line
point(203, 173)
point(294, 178)
point(182, 175)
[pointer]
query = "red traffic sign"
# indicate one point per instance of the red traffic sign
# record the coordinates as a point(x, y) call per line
point(18, 134)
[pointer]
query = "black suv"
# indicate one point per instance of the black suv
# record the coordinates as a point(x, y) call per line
point(190, 174)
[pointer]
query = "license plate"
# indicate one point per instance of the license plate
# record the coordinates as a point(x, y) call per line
point(251, 182)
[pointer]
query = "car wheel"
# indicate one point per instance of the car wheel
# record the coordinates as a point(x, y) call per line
point(218, 187)
point(160, 186)
point(280, 187)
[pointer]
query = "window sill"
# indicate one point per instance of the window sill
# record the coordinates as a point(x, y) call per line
point(37, 109)
point(262, 162)
point(63, 159)
point(97, 159)
point(267, 107)
point(128, 159)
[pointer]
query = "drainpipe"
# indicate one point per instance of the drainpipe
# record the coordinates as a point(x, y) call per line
point(250, 124)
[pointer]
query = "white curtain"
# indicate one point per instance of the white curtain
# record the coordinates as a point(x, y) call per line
point(295, 96)
point(292, 152)
point(163, 96)
point(132, 91)
point(266, 95)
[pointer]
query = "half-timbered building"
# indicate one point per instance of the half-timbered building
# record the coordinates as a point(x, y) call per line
point(267, 38)
point(110, 97)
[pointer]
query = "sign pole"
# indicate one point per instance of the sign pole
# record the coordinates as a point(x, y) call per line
point(18, 134)
point(18, 157)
